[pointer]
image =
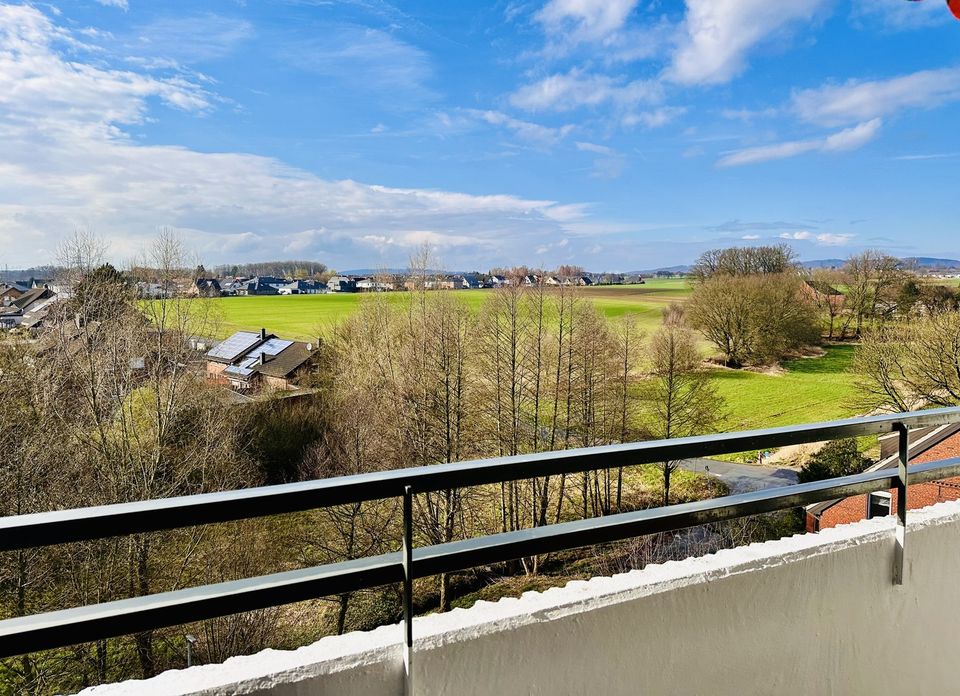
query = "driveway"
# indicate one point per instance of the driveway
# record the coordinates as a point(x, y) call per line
point(742, 478)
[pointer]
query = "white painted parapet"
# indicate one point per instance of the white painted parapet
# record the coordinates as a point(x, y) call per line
point(812, 614)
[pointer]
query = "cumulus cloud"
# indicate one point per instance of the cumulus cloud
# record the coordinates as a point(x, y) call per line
point(566, 91)
point(856, 100)
point(844, 140)
point(717, 35)
point(828, 239)
point(68, 161)
point(822, 239)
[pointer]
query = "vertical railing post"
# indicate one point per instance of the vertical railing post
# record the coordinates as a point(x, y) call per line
point(901, 532)
point(408, 591)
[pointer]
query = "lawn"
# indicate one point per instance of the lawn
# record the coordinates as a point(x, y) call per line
point(303, 316)
point(809, 390)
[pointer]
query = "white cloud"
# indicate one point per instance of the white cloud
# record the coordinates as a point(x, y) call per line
point(717, 35)
point(563, 92)
point(186, 39)
point(609, 164)
point(526, 130)
point(750, 237)
point(847, 139)
point(655, 118)
point(897, 15)
point(122, 4)
point(852, 138)
point(364, 59)
point(67, 161)
point(797, 236)
point(828, 239)
point(835, 105)
point(585, 20)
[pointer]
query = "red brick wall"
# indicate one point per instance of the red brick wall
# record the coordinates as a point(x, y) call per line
point(918, 496)
point(215, 371)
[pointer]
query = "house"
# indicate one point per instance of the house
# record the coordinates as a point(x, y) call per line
point(28, 310)
point(498, 281)
point(205, 287)
point(926, 445)
point(9, 292)
point(611, 279)
point(236, 286)
point(302, 287)
point(822, 292)
point(374, 285)
point(261, 286)
point(340, 283)
point(467, 281)
point(256, 361)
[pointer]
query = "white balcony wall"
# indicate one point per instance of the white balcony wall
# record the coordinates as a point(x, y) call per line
point(813, 614)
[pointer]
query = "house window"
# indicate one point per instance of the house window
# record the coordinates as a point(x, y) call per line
point(878, 504)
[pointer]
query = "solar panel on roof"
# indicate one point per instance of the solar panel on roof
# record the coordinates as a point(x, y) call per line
point(235, 346)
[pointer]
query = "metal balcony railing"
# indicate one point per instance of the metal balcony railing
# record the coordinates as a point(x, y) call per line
point(89, 623)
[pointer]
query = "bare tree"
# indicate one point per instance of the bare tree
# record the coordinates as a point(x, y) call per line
point(681, 399)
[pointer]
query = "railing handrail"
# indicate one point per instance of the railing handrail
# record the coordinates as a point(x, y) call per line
point(83, 524)
point(84, 624)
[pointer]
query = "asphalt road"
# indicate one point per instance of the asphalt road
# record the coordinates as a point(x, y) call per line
point(742, 478)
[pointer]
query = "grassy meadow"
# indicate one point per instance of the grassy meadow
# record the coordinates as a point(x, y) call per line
point(805, 390)
point(304, 316)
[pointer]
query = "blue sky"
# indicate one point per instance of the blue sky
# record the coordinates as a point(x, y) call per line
point(617, 134)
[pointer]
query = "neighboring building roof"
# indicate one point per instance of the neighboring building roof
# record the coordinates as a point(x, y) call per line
point(235, 346)
point(247, 354)
point(823, 288)
point(926, 439)
point(31, 296)
point(287, 361)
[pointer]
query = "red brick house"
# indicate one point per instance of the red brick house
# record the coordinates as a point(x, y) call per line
point(926, 445)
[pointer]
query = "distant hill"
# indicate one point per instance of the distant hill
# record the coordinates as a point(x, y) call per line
point(683, 268)
point(931, 262)
point(925, 262)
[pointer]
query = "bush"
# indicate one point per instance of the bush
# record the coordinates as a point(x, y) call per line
point(837, 458)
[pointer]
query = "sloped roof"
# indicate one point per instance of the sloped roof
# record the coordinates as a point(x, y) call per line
point(287, 361)
point(235, 346)
point(242, 352)
point(31, 296)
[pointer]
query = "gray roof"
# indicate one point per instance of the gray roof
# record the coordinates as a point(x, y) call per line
point(235, 346)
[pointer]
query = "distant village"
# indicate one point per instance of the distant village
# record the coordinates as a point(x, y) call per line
point(269, 285)
point(252, 364)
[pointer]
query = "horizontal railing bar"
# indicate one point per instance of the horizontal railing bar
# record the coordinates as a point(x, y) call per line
point(458, 555)
point(86, 624)
point(63, 526)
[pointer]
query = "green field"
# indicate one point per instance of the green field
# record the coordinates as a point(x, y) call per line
point(809, 390)
point(304, 316)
